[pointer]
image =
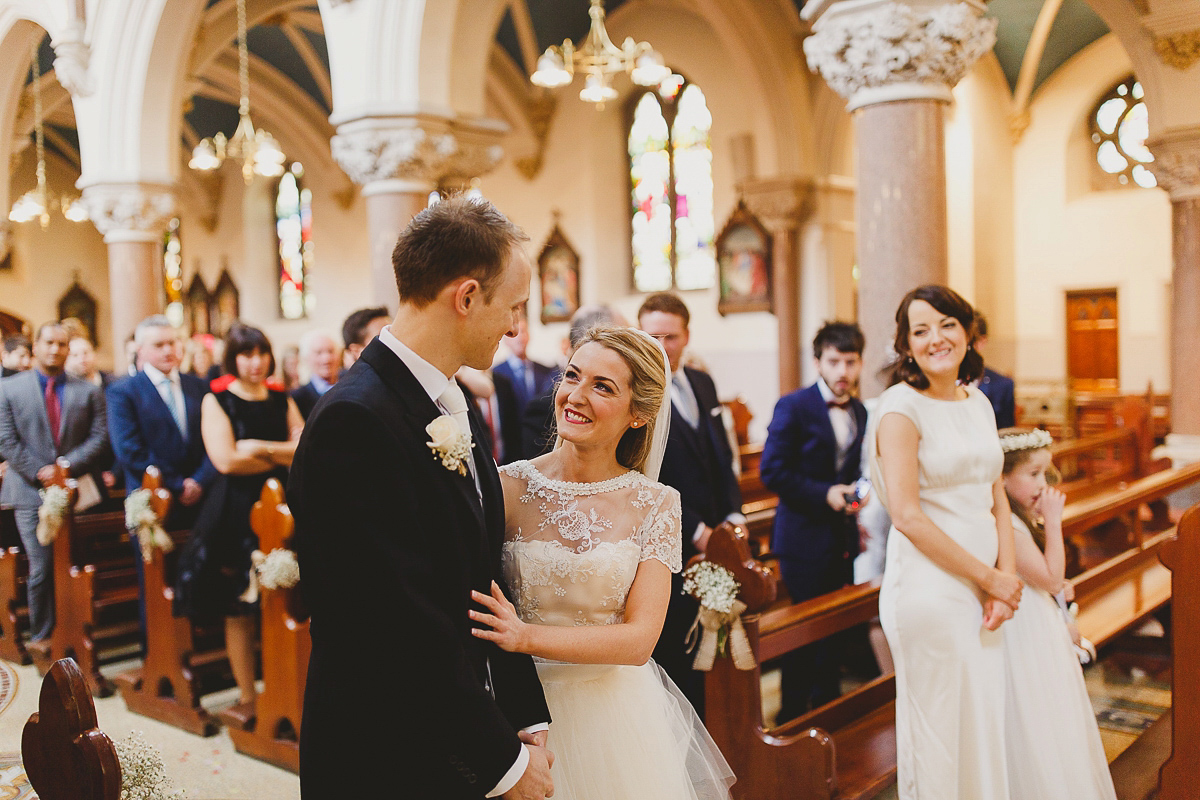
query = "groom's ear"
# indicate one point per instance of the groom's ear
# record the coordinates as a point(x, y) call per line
point(467, 293)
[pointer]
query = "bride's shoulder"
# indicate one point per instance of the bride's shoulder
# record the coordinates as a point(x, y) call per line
point(665, 494)
point(517, 470)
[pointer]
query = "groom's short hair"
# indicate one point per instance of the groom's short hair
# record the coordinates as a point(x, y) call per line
point(458, 237)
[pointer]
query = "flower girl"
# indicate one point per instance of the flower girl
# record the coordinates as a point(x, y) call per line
point(1054, 748)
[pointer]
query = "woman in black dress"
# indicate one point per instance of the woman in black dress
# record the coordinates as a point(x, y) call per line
point(250, 432)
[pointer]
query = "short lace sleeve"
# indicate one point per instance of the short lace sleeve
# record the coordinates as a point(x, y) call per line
point(661, 536)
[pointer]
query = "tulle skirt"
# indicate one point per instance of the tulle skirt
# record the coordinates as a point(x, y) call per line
point(628, 733)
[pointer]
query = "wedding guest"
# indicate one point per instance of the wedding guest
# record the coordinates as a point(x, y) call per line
point(699, 463)
point(81, 363)
point(16, 355)
point(359, 329)
point(811, 459)
point(45, 414)
point(289, 369)
point(200, 358)
point(321, 358)
point(950, 576)
point(250, 433)
point(131, 357)
point(998, 388)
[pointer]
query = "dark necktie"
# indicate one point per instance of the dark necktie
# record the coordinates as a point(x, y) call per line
point(53, 410)
point(843, 404)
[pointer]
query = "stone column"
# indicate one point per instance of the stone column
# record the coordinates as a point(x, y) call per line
point(133, 219)
point(783, 204)
point(1177, 168)
point(398, 162)
point(896, 65)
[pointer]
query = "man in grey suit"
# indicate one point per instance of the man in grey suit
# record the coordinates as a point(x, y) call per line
point(45, 414)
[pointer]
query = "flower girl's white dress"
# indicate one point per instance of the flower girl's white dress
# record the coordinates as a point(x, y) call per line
point(1054, 747)
point(570, 555)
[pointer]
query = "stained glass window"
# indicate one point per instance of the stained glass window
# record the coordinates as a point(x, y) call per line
point(173, 273)
point(670, 168)
point(293, 226)
point(1120, 126)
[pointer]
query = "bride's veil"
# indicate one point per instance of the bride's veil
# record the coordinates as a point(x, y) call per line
point(662, 423)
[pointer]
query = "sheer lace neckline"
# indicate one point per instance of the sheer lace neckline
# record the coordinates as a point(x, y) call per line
point(526, 470)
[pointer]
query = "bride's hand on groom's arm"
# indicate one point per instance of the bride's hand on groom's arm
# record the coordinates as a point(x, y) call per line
point(508, 632)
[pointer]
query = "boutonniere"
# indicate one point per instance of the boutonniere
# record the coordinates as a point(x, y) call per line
point(449, 443)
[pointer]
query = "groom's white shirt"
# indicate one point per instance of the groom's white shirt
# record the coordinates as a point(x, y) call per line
point(434, 382)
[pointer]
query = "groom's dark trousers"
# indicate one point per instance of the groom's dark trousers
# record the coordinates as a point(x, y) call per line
point(402, 700)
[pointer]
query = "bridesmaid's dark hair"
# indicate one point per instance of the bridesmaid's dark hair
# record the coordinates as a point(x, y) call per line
point(244, 339)
point(946, 301)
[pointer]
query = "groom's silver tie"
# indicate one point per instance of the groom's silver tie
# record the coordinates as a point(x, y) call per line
point(455, 402)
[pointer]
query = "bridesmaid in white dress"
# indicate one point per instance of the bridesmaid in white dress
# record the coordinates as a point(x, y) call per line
point(591, 542)
point(1054, 747)
point(949, 580)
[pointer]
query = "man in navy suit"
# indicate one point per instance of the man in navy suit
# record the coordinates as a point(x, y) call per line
point(699, 463)
point(518, 379)
point(998, 388)
point(811, 459)
point(154, 418)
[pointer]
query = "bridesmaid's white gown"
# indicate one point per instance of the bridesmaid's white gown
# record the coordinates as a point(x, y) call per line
point(949, 670)
point(570, 556)
point(1054, 747)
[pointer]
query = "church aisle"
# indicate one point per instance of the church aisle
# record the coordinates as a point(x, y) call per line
point(208, 768)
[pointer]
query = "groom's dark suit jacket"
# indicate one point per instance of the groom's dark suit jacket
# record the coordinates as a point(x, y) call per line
point(391, 543)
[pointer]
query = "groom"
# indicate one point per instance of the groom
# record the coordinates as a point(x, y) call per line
point(396, 523)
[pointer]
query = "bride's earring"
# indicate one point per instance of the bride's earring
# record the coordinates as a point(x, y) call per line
point(635, 424)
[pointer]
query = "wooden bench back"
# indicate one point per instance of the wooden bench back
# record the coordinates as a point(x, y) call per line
point(66, 756)
point(1180, 776)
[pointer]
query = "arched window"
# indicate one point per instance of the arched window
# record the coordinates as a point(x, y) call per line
point(670, 169)
point(1119, 126)
point(173, 273)
point(293, 226)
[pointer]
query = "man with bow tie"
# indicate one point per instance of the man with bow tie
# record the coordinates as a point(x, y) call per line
point(812, 456)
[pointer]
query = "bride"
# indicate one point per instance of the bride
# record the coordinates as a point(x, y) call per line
point(591, 540)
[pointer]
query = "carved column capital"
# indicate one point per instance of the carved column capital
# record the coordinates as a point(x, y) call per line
point(71, 57)
point(130, 212)
point(879, 51)
point(414, 150)
point(1176, 163)
point(781, 203)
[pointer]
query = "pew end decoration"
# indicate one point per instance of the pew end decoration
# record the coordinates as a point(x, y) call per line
point(66, 756)
point(718, 629)
point(144, 522)
point(55, 502)
point(143, 774)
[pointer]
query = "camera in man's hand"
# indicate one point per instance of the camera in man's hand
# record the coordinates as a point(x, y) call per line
point(856, 498)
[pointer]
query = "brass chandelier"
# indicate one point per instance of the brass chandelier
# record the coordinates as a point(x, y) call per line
point(600, 61)
point(258, 150)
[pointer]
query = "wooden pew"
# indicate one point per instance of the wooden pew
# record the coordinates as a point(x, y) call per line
point(274, 734)
point(95, 590)
point(14, 613)
point(846, 749)
point(169, 684)
point(66, 756)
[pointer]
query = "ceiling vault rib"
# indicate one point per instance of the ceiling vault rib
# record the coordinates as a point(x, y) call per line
point(526, 37)
point(312, 61)
point(1030, 63)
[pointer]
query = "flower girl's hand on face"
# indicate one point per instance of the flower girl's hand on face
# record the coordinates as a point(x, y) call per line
point(1050, 504)
point(508, 631)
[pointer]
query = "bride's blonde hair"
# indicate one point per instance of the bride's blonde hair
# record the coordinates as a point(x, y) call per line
point(648, 387)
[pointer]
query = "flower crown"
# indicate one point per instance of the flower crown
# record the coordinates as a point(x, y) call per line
point(1034, 440)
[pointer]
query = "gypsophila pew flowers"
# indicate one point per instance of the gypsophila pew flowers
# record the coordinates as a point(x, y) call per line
point(449, 443)
point(143, 776)
point(51, 513)
point(141, 521)
point(718, 627)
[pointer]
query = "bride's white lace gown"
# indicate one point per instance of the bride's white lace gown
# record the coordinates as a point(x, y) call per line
point(570, 556)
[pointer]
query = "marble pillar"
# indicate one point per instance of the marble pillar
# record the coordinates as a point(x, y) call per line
point(1177, 168)
point(133, 219)
point(398, 161)
point(783, 204)
point(896, 64)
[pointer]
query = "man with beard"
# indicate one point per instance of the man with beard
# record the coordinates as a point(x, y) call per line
point(811, 459)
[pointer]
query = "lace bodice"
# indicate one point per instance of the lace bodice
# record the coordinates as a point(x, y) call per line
point(572, 549)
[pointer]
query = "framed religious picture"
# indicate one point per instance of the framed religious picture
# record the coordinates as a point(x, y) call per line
point(78, 304)
point(744, 264)
point(195, 304)
point(558, 274)
point(225, 306)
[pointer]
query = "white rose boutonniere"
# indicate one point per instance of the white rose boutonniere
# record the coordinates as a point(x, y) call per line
point(449, 443)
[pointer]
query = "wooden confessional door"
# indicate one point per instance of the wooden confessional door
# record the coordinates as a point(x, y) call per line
point(1093, 346)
